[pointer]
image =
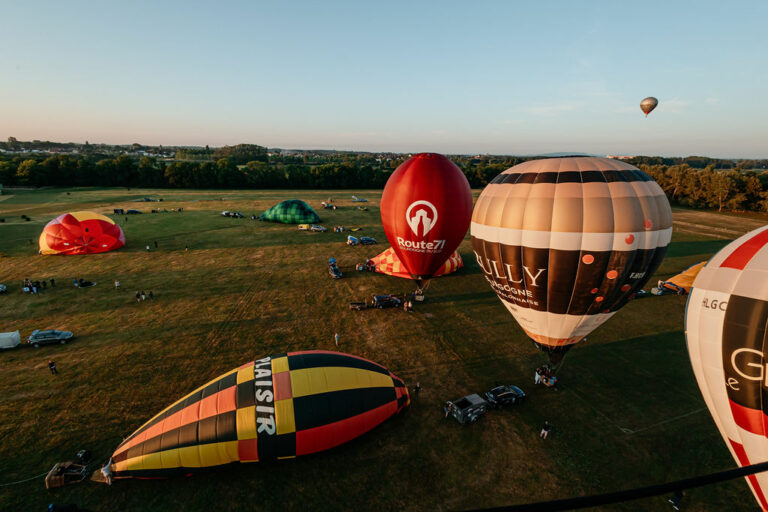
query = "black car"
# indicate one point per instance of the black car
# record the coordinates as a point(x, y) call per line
point(132, 212)
point(505, 395)
point(385, 301)
point(39, 337)
point(367, 240)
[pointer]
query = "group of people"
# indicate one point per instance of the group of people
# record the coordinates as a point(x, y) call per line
point(35, 287)
point(140, 295)
point(545, 375)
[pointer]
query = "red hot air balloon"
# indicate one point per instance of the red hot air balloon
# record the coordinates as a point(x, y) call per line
point(426, 209)
point(81, 233)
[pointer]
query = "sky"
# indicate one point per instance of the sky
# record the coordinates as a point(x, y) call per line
point(507, 77)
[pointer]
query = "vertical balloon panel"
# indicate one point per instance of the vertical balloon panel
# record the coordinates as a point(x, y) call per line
point(725, 322)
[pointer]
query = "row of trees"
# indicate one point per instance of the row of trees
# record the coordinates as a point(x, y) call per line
point(731, 189)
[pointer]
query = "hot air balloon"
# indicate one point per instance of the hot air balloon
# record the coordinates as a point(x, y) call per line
point(725, 327)
point(648, 104)
point(292, 211)
point(388, 263)
point(426, 209)
point(566, 242)
point(81, 233)
point(277, 407)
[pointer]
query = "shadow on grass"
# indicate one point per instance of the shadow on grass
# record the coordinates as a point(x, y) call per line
point(703, 247)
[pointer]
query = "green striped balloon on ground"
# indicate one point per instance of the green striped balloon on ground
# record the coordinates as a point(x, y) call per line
point(292, 211)
point(277, 407)
point(566, 242)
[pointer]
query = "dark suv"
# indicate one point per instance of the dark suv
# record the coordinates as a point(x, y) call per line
point(505, 395)
point(385, 301)
point(39, 337)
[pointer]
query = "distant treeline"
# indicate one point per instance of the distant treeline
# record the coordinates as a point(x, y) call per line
point(732, 189)
point(249, 166)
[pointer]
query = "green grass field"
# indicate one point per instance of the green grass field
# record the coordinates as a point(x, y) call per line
point(628, 413)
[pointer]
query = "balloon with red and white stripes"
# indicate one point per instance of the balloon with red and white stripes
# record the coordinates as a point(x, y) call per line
point(725, 327)
point(566, 242)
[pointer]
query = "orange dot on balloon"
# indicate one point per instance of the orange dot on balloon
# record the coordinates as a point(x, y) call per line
point(588, 259)
point(625, 288)
point(593, 291)
point(630, 238)
point(598, 299)
point(611, 274)
point(648, 224)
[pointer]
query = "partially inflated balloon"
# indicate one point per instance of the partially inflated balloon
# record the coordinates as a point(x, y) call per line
point(726, 324)
point(565, 242)
point(648, 104)
point(81, 233)
point(275, 408)
point(426, 209)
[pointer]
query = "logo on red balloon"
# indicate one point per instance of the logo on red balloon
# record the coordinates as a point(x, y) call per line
point(426, 216)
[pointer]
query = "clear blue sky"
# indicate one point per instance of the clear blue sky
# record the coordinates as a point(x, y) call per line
point(507, 77)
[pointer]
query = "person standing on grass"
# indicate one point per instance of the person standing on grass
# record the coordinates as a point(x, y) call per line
point(151, 295)
point(155, 244)
point(545, 430)
point(53, 283)
point(147, 247)
point(52, 367)
point(74, 282)
point(138, 296)
point(143, 295)
point(416, 390)
point(336, 338)
point(117, 284)
point(45, 284)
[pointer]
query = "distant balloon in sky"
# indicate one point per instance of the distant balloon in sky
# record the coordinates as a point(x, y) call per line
point(426, 209)
point(648, 104)
point(726, 325)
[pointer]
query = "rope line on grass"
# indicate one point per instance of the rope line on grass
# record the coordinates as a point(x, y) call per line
point(25, 480)
point(633, 494)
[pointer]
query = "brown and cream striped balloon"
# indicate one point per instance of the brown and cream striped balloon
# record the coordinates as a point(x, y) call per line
point(566, 242)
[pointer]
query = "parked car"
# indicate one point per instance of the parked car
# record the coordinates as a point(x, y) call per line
point(236, 215)
point(304, 227)
point(132, 212)
point(504, 395)
point(467, 409)
point(385, 301)
point(319, 229)
point(367, 240)
point(333, 269)
point(39, 337)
